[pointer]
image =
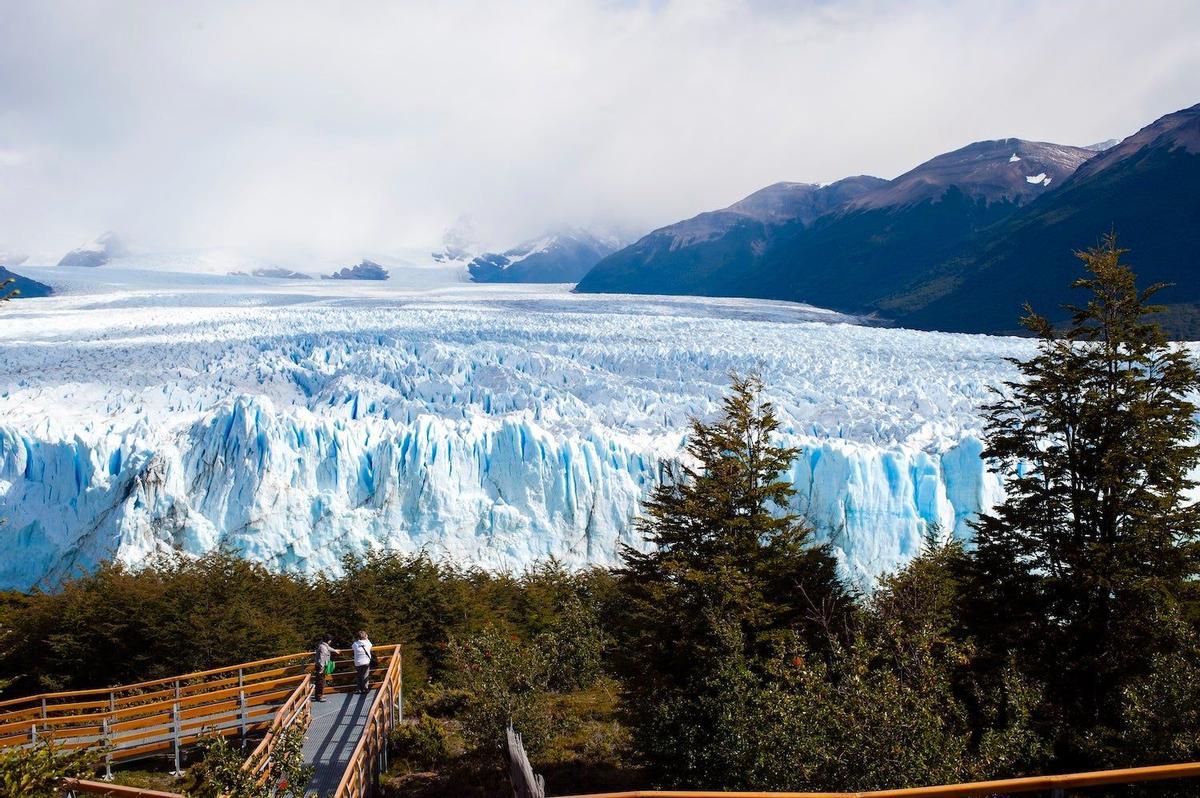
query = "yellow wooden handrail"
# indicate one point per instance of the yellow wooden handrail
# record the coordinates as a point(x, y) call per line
point(186, 677)
point(1066, 781)
point(84, 786)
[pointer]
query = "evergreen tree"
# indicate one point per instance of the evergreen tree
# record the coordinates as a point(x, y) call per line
point(731, 576)
point(1079, 572)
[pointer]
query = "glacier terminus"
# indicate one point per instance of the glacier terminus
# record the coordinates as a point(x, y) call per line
point(297, 423)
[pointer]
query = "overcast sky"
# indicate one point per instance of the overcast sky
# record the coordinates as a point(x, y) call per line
point(367, 126)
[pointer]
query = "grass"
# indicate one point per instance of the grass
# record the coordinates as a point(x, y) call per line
point(148, 779)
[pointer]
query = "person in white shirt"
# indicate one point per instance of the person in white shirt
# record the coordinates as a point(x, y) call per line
point(362, 660)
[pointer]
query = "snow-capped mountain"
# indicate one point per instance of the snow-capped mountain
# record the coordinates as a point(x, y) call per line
point(839, 244)
point(95, 253)
point(460, 243)
point(561, 257)
point(709, 254)
point(494, 426)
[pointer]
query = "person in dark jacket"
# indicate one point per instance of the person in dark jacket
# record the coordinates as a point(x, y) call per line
point(321, 659)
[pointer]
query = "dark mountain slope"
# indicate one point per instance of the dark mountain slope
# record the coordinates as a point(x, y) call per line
point(710, 254)
point(850, 259)
point(28, 288)
point(1147, 188)
point(847, 244)
point(873, 246)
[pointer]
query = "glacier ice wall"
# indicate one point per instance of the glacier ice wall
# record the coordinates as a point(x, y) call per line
point(295, 491)
point(495, 427)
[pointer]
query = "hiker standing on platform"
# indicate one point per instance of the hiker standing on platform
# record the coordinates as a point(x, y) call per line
point(363, 660)
point(323, 663)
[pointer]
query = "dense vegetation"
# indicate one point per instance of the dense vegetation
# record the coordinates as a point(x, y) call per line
point(731, 655)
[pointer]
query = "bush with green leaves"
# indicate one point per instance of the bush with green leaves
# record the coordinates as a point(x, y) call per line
point(575, 645)
point(506, 680)
point(222, 771)
point(37, 772)
point(423, 745)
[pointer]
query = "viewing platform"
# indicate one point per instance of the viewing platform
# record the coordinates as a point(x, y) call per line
point(346, 735)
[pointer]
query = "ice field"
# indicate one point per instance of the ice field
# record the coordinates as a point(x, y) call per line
point(297, 421)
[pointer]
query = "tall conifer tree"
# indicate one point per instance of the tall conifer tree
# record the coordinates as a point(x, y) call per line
point(732, 576)
point(1078, 570)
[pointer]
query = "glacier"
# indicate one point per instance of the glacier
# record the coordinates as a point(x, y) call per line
point(142, 413)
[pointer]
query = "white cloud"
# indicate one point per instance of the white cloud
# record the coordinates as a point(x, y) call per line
point(353, 126)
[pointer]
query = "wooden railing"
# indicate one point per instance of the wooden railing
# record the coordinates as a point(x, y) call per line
point(369, 758)
point(72, 788)
point(162, 717)
point(293, 711)
point(158, 717)
point(1055, 785)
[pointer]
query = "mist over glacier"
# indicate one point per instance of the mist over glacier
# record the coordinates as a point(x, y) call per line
point(489, 425)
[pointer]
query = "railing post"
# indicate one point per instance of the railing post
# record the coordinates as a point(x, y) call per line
point(176, 731)
point(1058, 792)
point(106, 731)
point(43, 709)
point(242, 703)
point(33, 732)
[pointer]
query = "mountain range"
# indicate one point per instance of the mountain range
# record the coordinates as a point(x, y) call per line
point(958, 243)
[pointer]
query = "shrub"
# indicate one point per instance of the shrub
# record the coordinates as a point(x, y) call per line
point(424, 745)
point(575, 644)
point(220, 770)
point(36, 772)
point(506, 681)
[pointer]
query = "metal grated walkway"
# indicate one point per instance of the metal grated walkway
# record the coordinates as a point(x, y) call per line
point(336, 727)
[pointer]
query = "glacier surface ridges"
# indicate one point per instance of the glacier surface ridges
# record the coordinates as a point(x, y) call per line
point(491, 425)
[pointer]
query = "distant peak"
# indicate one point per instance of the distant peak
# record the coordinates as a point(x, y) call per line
point(1009, 169)
point(366, 270)
point(96, 252)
